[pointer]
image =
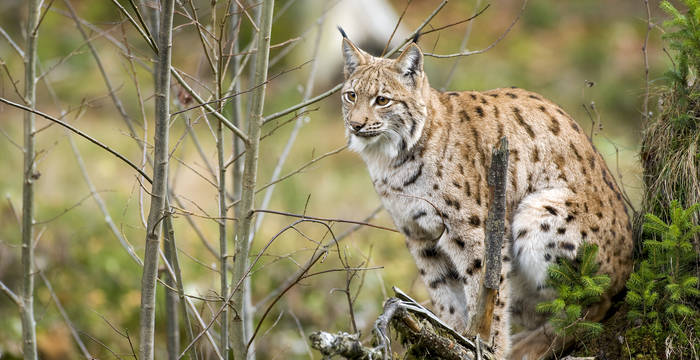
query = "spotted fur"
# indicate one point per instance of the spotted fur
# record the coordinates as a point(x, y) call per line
point(428, 153)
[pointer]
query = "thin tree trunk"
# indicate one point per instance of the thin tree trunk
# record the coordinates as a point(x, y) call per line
point(240, 340)
point(223, 248)
point(237, 119)
point(224, 344)
point(247, 308)
point(30, 175)
point(159, 187)
point(171, 296)
point(175, 262)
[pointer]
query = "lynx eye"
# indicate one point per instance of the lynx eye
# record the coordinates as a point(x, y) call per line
point(381, 101)
point(350, 96)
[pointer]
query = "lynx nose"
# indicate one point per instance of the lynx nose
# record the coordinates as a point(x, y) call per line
point(356, 126)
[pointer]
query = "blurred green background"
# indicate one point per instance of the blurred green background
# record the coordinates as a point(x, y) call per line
point(558, 48)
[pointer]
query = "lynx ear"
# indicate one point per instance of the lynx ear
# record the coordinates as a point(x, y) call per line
point(353, 56)
point(410, 62)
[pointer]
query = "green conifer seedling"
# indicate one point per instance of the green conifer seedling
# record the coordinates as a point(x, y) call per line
point(578, 285)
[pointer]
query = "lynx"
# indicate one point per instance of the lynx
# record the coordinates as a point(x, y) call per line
point(428, 153)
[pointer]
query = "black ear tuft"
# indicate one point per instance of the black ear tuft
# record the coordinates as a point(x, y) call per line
point(342, 32)
point(415, 38)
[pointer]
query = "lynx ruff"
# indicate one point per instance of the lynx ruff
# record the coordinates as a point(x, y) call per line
point(428, 153)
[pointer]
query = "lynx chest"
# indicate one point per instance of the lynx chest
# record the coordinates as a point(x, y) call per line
point(406, 191)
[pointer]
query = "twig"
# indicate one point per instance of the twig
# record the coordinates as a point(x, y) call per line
point(396, 27)
point(140, 17)
point(417, 31)
point(199, 27)
point(269, 308)
point(15, 299)
point(302, 104)
point(41, 18)
point(341, 269)
point(14, 86)
point(69, 323)
point(79, 132)
point(302, 167)
point(103, 344)
point(12, 43)
point(245, 11)
point(329, 220)
point(108, 83)
point(149, 39)
point(223, 99)
point(209, 109)
point(457, 22)
point(335, 89)
point(314, 258)
point(194, 226)
point(301, 332)
point(462, 46)
point(474, 52)
point(297, 126)
point(349, 276)
point(101, 204)
point(237, 288)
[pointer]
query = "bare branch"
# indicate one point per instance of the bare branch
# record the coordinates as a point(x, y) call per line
point(418, 29)
point(210, 109)
point(108, 83)
point(269, 308)
point(15, 299)
point(339, 86)
point(65, 317)
point(396, 27)
point(79, 132)
point(199, 27)
point(457, 22)
point(12, 43)
point(302, 167)
point(462, 46)
point(292, 280)
point(146, 36)
point(297, 126)
point(101, 204)
point(329, 220)
point(302, 104)
point(474, 52)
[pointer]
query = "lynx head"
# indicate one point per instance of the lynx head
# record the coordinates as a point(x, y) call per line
point(384, 101)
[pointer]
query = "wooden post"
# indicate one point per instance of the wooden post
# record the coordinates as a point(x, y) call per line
point(494, 229)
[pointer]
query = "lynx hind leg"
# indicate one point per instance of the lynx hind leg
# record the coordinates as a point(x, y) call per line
point(543, 231)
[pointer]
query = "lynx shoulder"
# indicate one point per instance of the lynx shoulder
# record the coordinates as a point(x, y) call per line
point(428, 154)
